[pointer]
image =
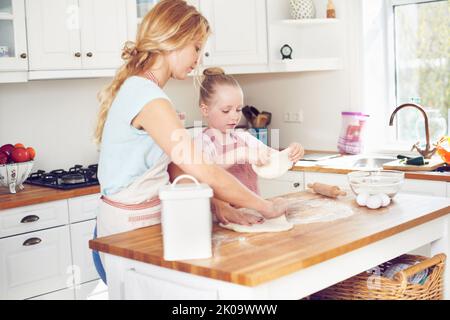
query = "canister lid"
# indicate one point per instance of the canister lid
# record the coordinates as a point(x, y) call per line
point(186, 190)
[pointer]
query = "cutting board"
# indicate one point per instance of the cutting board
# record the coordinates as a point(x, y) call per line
point(433, 163)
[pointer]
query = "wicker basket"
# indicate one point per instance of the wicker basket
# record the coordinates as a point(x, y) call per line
point(370, 285)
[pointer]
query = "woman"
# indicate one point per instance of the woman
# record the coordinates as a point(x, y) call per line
point(139, 132)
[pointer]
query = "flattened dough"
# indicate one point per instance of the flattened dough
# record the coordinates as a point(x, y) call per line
point(269, 225)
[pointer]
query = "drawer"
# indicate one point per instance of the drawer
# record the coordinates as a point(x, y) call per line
point(83, 208)
point(35, 263)
point(83, 264)
point(32, 218)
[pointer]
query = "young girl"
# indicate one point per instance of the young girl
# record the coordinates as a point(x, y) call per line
point(221, 102)
point(137, 121)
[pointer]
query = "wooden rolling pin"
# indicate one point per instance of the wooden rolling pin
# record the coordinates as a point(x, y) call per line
point(326, 190)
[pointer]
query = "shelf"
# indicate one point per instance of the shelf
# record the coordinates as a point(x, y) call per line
point(6, 16)
point(321, 64)
point(303, 22)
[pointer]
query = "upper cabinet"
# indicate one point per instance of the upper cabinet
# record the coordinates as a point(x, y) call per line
point(239, 34)
point(13, 48)
point(76, 34)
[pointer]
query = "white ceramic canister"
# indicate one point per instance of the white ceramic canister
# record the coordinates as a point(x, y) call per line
point(302, 9)
point(186, 220)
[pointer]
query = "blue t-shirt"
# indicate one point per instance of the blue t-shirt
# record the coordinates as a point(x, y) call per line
point(126, 153)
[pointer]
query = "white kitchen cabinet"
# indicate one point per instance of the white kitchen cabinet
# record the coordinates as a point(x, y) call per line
point(290, 182)
point(32, 218)
point(64, 294)
point(425, 187)
point(93, 290)
point(83, 208)
point(448, 189)
point(83, 265)
point(13, 45)
point(328, 178)
point(239, 35)
point(35, 263)
point(75, 34)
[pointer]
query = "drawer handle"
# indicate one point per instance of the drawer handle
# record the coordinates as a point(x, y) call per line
point(28, 219)
point(32, 242)
point(206, 54)
point(23, 55)
point(89, 54)
point(296, 185)
point(77, 54)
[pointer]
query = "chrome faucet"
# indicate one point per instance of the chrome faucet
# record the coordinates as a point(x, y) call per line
point(427, 153)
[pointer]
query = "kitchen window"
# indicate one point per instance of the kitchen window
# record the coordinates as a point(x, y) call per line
point(421, 50)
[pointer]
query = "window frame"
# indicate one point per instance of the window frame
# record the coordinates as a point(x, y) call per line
point(392, 66)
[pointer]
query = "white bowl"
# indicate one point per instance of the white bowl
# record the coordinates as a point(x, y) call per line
point(278, 165)
point(13, 175)
point(374, 182)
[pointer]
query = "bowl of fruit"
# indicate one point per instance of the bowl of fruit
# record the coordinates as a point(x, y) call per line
point(16, 162)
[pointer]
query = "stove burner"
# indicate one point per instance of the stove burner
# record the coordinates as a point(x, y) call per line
point(72, 178)
point(75, 177)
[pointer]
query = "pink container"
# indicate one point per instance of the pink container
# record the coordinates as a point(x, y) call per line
point(351, 138)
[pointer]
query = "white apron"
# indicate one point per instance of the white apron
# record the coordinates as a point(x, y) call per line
point(136, 206)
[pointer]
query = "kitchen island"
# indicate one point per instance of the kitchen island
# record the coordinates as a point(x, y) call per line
point(286, 265)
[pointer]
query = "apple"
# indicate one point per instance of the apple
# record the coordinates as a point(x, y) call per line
point(20, 155)
point(3, 158)
point(7, 148)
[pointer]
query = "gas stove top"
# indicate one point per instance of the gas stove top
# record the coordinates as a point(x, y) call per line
point(75, 177)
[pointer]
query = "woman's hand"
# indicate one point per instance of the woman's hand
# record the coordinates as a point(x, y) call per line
point(275, 207)
point(297, 152)
point(227, 214)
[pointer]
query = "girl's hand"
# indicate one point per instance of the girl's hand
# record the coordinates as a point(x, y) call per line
point(227, 214)
point(297, 152)
point(275, 207)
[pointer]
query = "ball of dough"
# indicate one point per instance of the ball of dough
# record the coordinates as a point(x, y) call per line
point(385, 200)
point(361, 199)
point(374, 202)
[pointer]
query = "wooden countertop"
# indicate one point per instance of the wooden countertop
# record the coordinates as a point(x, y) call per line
point(252, 259)
point(310, 166)
point(34, 195)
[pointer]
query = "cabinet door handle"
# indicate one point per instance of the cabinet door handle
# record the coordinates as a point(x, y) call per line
point(30, 218)
point(77, 54)
point(32, 242)
point(206, 54)
point(23, 55)
point(296, 185)
point(89, 54)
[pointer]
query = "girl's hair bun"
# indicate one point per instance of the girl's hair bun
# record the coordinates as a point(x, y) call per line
point(215, 71)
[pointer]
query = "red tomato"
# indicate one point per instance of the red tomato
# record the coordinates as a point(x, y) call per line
point(20, 155)
point(31, 153)
point(19, 145)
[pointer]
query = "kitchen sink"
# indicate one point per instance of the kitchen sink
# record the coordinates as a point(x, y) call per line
point(371, 162)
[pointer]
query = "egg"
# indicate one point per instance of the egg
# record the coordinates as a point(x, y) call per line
point(374, 202)
point(385, 200)
point(361, 199)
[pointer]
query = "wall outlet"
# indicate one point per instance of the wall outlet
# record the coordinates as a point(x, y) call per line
point(296, 116)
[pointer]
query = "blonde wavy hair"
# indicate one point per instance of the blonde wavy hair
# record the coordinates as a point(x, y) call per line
point(170, 25)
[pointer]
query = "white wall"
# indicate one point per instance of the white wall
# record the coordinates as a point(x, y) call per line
point(57, 117)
